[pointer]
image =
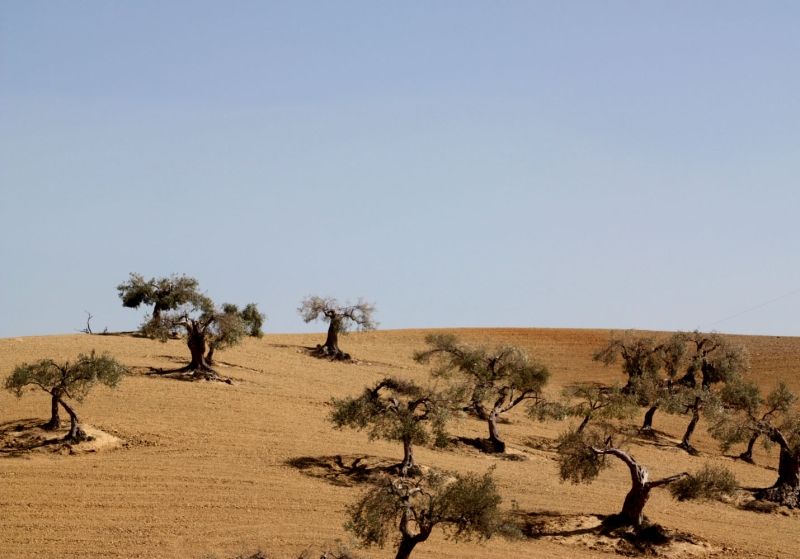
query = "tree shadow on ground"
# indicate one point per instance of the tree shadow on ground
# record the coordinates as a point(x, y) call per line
point(21, 436)
point(484, 446)
point(543, 444)
point(188, 375)
point(343, 470)
point(172, 358)
point(606, 533)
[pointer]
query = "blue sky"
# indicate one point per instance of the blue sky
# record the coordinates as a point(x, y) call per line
point(581, 164)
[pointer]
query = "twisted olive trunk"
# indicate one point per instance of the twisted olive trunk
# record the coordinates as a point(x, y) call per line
point(686, 443)
point(583, 424)
point(647, 425)
point(494, 435)
point(196, 340)
point(633, 508)
point(332, 341)
point(76, 433)
point(407, 544)
point(747, 455)
point(410, 538)
point(786, 490)
point(789, 469)
point(408, 462)
point(55, 418)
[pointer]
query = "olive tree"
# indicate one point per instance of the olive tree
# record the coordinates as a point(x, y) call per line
point(744, 415)
point(204, 326)
point(498, 379)
point(340, 319)
point(165, 294)
point(397, 410)
point(582, 456)
point(587, 401)
point(712, 361)
point(71, 379)
point(645, 361)
point(464, 505)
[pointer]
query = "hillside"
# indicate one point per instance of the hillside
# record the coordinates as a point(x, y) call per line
point(212, 470)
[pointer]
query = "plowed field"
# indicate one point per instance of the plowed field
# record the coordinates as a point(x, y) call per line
point(202, 469)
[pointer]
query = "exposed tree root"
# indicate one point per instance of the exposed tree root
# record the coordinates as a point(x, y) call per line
point(783, 494)
point(689, 448)
point(334, 354)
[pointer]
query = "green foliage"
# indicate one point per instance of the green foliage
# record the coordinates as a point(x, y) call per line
point(501, 378)
point(577, 462)
point(711, 482)
point(396, 410)
point(587, 401)
point(640, 354)
point(253, 319)
point(165, 293)
point(221, 328)
point(465, 505)
point(227, 328)
point(742, 413)
point(74, 379)
point(712, 359)
point(342, 317)
point(200, 310)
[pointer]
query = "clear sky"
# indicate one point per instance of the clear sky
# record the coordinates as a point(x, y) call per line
point(546, 164)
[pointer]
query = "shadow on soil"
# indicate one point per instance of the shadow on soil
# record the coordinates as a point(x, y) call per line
point(484, 446)
point(20, 436)
point(602, 532)
point(346, 471)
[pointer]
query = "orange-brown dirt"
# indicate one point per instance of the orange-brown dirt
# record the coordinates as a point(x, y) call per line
point(204, 469)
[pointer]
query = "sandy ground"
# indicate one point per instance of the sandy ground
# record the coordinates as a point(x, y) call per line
point(202, 469)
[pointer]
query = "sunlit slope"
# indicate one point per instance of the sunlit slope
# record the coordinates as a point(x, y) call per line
point(210, 469)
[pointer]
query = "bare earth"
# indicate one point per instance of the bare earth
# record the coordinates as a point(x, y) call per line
point(202, 469)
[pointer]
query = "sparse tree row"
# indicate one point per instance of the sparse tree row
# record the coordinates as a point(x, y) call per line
point(695, 375)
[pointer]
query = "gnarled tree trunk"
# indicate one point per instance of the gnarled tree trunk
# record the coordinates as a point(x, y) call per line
point(584, 423)
point(196, 340)
point(686, 443)
point(494, 435)
point(647, 425)
point(407, 544)
point(332, 341)
point(331, 347)
point(633, 508)
point(408, 462)
point(76, 433)
point(786, 490)
point(410, 538)
point(747, 455)
point(55, 418)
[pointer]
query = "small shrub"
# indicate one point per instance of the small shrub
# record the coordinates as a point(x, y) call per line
point(711, 482)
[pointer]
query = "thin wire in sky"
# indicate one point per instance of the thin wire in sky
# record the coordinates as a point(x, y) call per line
point(752, 309)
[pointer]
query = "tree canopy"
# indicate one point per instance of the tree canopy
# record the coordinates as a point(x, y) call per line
point(497, 379)
point(397, 410)
point(465, 505)
point(165, 294)
point(648, 363)
point(587, 401)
